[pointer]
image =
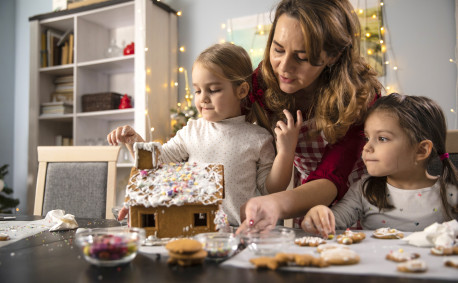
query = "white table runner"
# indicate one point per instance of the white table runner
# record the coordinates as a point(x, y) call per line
point(18, 230)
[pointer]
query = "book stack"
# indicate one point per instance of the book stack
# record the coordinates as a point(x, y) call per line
point(56, 47)
point(53, 108)
point(63, 89)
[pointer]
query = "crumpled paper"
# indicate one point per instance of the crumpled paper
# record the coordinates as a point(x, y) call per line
point(61, 220)
point(435, 235)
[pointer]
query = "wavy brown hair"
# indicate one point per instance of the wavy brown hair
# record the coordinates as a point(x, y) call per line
point(421, 119)
point(346, 89)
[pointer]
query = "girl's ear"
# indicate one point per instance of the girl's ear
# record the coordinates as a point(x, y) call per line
point(242, 90)
point(424, 150)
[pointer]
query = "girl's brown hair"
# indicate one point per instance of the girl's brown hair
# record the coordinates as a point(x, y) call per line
point(236, 66)
point(421, 119)
point(347, 88)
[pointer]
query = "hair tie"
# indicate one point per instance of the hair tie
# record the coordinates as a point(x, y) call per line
point(444, 156)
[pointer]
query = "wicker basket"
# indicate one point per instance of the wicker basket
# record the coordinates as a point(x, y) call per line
point(101, 101)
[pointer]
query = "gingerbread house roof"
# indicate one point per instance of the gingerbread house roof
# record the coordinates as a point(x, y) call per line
point(173, 183)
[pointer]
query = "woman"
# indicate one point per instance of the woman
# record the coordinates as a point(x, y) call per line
point(312, 65)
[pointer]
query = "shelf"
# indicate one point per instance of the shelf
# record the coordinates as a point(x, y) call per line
point(57, 117)
point(58, 70)
point(111, 115)
point(104, 17)
point(124, 64)
point(124, 165)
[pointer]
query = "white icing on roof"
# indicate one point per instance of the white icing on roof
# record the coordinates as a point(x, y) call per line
point(175, 184)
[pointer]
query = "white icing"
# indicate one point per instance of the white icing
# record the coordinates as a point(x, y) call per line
point(309, 240)
point(414, 265)
point(175, 184)
point(345, 254)
point(148, 146)
point(221, 222)
point(387, 232)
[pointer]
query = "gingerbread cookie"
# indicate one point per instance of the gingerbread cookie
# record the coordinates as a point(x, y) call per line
point(350, 237)
point(185, 252)
point(4, 237)
point(401, 256)
point(415, 266)
point(448, 250)
point(388, 233)
point(326, 247)
point(451, 262)
point(340, 256)
point(267, 262)
point(309, 241)
point(184, 246)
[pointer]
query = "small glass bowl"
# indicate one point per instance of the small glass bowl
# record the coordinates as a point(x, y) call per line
point(268, 242)
point(110, 246)
point(219, 246)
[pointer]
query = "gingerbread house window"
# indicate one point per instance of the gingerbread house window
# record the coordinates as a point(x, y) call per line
point(200, 219)
point(148, 220)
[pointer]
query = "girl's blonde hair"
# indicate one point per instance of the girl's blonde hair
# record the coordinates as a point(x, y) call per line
point(421, 119)
point(346, 88)
point(236, 66)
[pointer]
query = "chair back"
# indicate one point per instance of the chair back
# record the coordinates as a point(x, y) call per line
point(78, 179)
point(451, 146)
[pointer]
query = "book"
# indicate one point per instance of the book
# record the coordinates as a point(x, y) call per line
point(52, 38)
point(70, 48)
point(60, 107)
point(44, 50)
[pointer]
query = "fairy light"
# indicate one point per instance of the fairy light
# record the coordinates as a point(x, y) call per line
point(223, 26)
point(181, 69)
point(182, 49)
point(146, 49)
point(368, 34)
point(148, 71)
point(179, 13)
point(451, 60)
point(395, 68)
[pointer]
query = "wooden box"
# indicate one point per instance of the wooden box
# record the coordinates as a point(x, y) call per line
point(101, 101)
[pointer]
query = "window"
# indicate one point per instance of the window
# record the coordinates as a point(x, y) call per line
point(148, 220)
point(200, 219)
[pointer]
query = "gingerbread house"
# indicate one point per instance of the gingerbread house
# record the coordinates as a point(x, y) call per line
point(173, 200)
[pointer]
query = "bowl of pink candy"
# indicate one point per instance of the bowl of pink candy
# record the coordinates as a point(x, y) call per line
point(110, 246)
point(219, 246)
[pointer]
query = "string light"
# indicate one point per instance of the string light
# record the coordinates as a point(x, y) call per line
point(182, 49)
point(223, 26)
point(179, 13)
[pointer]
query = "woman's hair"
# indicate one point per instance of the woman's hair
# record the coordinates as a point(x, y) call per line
point(421, 119)
point(236, 66)
point(346, 88)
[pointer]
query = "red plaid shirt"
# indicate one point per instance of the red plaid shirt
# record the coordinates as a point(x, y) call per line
point(340, 163)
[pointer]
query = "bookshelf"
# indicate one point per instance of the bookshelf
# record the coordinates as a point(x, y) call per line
point(147, 76)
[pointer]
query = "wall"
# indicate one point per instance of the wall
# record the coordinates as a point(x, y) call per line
point(422, 36)
point(7, 66)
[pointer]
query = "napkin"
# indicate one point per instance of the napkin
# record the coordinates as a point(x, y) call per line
point(61, 220)
point(435, 235)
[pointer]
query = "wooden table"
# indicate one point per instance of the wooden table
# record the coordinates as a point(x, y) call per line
point(54, 257)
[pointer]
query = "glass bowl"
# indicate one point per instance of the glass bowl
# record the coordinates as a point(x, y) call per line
point(110, 246)
point(268, 242)
point(219, 246)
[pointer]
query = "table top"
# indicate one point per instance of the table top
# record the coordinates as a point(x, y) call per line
point(54, 257)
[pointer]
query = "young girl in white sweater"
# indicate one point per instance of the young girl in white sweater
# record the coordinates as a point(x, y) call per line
point(221, 77)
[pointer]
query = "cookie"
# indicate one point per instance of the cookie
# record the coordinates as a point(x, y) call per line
point(184, 246)
point(266, 262)
point(197, 255)
point(414, 266)
point(326, 247)
point(4, 237)
point(284, 257)
point(185, 262)
point(303, 259)
point(451, 262)
point(401, 256)
point(309, 241)
point(340, 256)
point(388, 233)
point(441, 250)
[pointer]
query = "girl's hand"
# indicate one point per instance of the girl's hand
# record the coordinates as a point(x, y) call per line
point(287, 133)
point(319, 220)
point(124, 134)
point(260, 213)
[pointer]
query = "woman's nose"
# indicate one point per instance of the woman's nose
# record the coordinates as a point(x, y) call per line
point(287, 64)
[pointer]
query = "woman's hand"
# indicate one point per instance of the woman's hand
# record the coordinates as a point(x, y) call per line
point(287, 133)
point(319, 220)
point(124, 134)
point(260, 213)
